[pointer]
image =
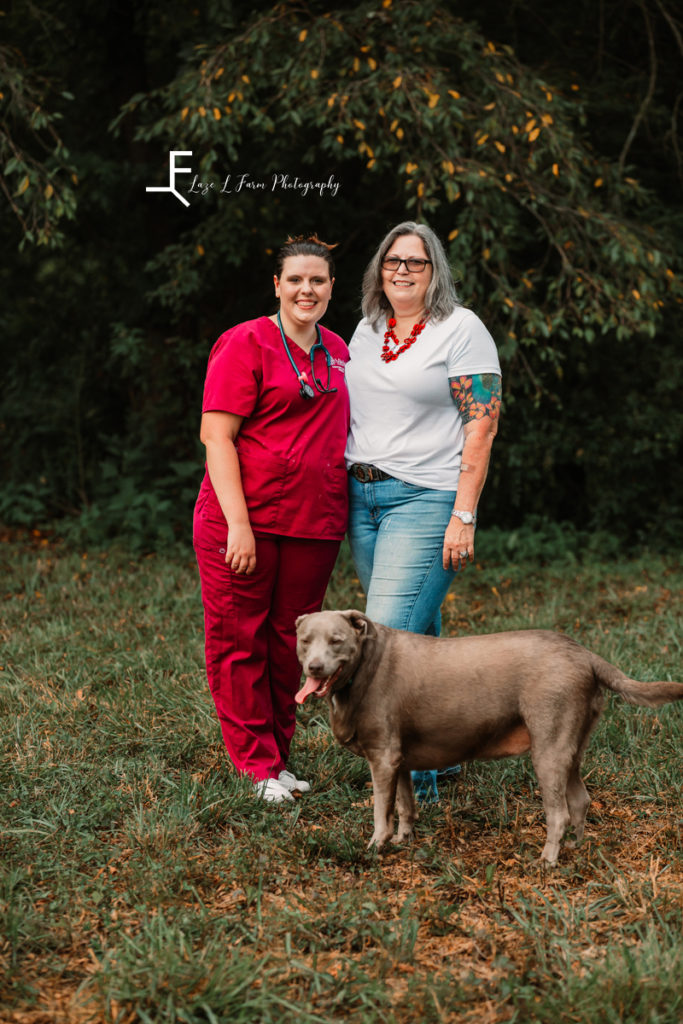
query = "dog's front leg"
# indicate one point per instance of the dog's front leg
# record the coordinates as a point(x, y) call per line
point(407, 809)
point(384, 781)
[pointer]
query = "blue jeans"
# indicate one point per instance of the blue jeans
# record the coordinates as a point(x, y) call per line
point(396, 535)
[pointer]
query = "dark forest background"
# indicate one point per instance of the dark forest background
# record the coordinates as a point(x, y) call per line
point(543, 143)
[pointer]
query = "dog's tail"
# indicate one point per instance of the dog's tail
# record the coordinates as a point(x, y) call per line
point(649, 694)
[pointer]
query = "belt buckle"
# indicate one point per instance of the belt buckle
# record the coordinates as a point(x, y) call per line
point(362, 473)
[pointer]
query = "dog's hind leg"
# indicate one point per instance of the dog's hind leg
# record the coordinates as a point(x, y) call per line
point(577, 794)
point(407, 810)
point(578, 801)
point(553, 775)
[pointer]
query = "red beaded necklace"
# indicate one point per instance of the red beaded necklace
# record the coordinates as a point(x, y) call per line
point(387, 354)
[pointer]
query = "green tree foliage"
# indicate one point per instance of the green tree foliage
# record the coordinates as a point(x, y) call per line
point(38, 180)
point(553, 187)
point(411, 99)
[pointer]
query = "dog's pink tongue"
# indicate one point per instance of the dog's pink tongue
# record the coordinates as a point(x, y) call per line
point(309, 687)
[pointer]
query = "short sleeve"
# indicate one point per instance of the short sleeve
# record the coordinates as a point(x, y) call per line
point(234, 373)
point(336, 346)
point(471, 349)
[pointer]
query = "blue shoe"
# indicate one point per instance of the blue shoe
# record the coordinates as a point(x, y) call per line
point(424, 784)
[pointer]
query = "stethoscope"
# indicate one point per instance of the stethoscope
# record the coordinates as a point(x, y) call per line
point(306, 391)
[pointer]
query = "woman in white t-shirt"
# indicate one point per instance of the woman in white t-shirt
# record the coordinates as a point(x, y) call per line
point(425, 386)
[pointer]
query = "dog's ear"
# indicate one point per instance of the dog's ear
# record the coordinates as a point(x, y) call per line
point(360, 622)
point(300, 620)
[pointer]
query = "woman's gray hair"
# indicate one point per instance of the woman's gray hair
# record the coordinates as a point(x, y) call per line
point(441, 298)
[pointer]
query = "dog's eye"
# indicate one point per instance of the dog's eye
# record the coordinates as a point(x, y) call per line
point(336, 640)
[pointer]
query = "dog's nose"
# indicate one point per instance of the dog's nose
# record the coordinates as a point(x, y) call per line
point(315, 667)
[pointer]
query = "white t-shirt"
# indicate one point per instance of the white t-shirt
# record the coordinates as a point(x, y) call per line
point(403, 418)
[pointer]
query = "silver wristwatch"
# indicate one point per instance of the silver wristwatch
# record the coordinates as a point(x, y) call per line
point(466, 517)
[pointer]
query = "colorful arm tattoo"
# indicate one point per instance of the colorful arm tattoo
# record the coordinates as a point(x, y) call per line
point(476, 395)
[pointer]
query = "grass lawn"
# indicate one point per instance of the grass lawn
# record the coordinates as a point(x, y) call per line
point(142, 882)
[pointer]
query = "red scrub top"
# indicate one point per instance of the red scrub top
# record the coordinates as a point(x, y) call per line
point(291, 449)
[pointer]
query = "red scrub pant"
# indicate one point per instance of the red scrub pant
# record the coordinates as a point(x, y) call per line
point(250, 639)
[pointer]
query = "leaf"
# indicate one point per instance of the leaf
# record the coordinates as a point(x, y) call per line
point(22, 188)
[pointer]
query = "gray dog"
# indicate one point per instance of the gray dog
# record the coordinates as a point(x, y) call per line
point(406, 702)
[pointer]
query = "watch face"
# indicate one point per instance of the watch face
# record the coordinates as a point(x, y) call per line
point(466, 517)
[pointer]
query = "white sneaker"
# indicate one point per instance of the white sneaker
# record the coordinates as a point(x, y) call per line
point(291, 783)
point(272, 791)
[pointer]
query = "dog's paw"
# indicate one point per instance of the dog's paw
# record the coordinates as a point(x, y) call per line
point(575, 840)
point(402, 837)
point(377, 842)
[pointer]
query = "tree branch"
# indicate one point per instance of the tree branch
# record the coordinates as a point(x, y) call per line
point(647, 99)
point(672, 25)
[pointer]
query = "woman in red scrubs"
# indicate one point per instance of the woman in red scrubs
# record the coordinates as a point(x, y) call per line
point(272, 508)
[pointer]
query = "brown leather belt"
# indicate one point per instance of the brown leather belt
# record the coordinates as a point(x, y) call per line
point(368, 474)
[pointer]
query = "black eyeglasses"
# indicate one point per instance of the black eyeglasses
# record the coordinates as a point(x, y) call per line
point(413, 264)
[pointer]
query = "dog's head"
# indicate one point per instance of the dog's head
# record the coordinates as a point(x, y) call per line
point(328, 645)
